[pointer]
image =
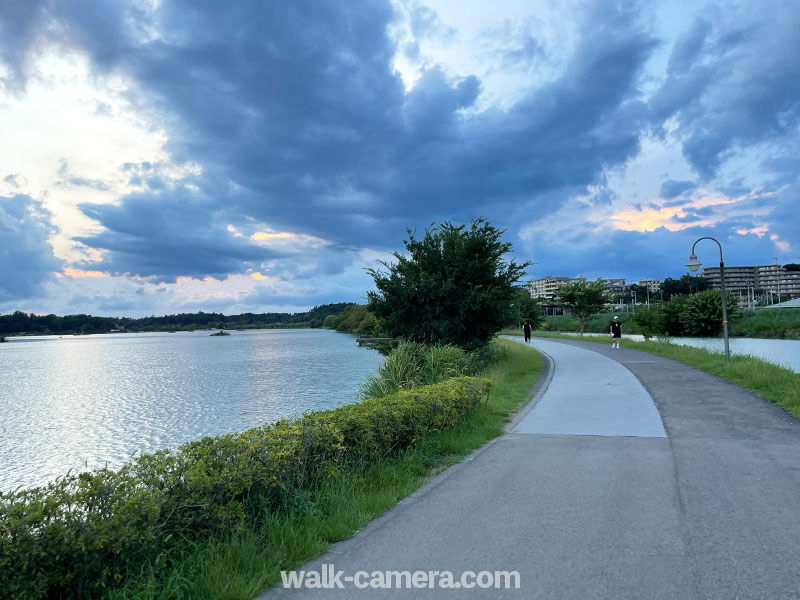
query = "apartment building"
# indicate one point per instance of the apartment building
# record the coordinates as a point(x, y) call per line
point(653, 285)
point(615, 286)
point(547, 287)
point(763, 278)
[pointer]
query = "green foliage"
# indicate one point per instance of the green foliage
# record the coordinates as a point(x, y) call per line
point(525, 308)
point(86, 532)
point(649, 320)
point(356, 319)
point(702, 314)
point(687, 284)
point(20, 322)
point(412, 364)
point(582, 299)
point(453, 288)
point(779, 322)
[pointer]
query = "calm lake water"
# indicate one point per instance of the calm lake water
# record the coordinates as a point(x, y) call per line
point(87, 401)
point(781, 352)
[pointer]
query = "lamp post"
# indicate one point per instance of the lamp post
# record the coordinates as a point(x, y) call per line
point(693, 265)
point(778, 277)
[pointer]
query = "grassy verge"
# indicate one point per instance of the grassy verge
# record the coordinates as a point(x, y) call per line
point(241, 567)
point(772, 382)
point(768, 323)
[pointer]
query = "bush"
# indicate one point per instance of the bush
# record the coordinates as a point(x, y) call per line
point(85, 532)
point(649, 320)
point(412, 364)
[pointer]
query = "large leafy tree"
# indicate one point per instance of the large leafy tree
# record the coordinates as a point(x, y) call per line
point(583, 298)
point(454, 287)
point(687, 284)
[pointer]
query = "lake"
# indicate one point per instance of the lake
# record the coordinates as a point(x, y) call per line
point(82, 402)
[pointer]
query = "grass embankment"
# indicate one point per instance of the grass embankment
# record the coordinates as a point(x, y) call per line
point(768, 323)
point(240, 567)
point(772, 382)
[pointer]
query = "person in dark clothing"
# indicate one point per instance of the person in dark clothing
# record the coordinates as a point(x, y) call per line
point(526, 329)
point(616, 332)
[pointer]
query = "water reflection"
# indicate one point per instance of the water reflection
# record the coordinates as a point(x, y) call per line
point(83, 402)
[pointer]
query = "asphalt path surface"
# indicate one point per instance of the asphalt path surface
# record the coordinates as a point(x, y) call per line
point(627, 476)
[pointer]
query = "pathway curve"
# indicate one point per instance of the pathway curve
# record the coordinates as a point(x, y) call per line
point(586, 506)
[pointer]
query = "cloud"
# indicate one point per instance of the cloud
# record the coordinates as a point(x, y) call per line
point(177, 232)
point(292, 143)
point(733, 81)
point(671, 188)
point(302, 113)
point(26, 260)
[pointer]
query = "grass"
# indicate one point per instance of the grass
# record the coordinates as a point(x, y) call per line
point(772, 382)
point(240, 567)
point(773, 323)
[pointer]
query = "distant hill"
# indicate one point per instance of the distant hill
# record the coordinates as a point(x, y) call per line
point(19, 322)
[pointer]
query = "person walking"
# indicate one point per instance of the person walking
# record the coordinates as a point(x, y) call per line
point(526, 329)
point(616, 332)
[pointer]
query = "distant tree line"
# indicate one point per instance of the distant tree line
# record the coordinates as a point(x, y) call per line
point(20, 322)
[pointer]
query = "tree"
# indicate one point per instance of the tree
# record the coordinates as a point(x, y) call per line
point(702, 314)
point(687, 284)
point(582, 299)
point(650, 320)
point(453, 288)
point(525, 308)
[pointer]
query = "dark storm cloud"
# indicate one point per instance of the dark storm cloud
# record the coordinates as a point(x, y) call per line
point(26, 259)
point(733, 81)
point(170, 234)
point(299, 121)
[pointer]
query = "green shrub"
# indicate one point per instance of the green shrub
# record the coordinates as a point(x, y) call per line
point(649, 320)
point(86, 532)
point(412, 364)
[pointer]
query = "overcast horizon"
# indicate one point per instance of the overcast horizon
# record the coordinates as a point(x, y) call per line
point(166, 156)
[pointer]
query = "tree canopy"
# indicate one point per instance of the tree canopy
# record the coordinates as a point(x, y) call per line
point(454, 287)
point(687, 284)
point(583, 298)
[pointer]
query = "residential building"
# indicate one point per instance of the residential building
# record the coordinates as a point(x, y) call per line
point(547, 287)
point(761, 278)
point(654, 285)
point(615, 286)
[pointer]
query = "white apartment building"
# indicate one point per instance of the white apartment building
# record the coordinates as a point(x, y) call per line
point(651, 284)
point(547, 287)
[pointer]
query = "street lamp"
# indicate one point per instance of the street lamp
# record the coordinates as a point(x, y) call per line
point(693, 265)
point(778, 276)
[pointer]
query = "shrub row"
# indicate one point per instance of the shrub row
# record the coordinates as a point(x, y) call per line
point(87, 531)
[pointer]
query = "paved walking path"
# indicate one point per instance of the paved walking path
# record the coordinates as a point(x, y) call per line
point(685, 487)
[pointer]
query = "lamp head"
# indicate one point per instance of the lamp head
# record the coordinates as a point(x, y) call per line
point(693, 263)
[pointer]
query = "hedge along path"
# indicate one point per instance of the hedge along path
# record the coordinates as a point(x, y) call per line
point(86, 532)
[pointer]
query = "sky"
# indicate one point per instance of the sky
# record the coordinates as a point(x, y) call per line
point(164, 156)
